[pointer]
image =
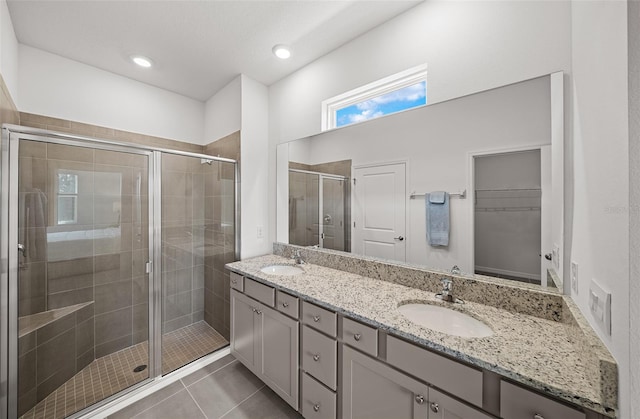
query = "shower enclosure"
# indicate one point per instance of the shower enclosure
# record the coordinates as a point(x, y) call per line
point(113, 267)
point(318, 210)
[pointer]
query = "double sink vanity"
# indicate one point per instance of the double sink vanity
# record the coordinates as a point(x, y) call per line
point(345, 336)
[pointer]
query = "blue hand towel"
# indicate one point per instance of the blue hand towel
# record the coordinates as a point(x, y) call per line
point(437, 209)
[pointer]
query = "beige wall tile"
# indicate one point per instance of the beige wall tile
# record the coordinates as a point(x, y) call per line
point(65, 152)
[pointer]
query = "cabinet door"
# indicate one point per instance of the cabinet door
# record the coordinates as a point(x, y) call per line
point(244, 344)
point(278, 356)
point(373, 390)
point(442, 406)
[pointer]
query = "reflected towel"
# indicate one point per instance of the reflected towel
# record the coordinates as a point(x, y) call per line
point(437, 210)
point(32, 222)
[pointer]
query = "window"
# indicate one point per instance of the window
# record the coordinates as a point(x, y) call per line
point(396, 93)
point(67, 198)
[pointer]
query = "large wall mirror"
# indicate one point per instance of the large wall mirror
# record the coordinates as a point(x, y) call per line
point(373, 188)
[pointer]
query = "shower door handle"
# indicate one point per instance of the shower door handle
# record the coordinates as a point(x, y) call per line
point(22, 249)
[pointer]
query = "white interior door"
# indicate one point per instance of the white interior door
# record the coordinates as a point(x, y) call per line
point(379, 201)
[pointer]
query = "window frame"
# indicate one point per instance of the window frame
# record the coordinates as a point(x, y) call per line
point(67, 195)
point(406, 78)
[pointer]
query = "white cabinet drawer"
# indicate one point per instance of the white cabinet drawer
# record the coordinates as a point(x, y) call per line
point(319, 318)
point(364, 338)
point(319, 356)
point(263, 293)
point(318, 402)
point(236, 281)
point(287, 304)
point(519, 403)
point(463, 381)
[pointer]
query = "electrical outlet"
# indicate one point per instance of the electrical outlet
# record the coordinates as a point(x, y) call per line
point(574, 277)
point(260, 232)
point(600, 306)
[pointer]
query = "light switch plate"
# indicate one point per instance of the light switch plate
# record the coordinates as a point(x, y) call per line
point(260, 232)
point(574, 277)
point(600, 306)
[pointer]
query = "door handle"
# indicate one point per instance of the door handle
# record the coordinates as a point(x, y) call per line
point(399, 238)
point(548, 256)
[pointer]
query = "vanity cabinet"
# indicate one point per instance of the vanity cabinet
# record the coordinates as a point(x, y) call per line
point(266, 342)
point(519, 403)
point(319, 362)
point(442, 406)
point(330, 366)
point(372, 389)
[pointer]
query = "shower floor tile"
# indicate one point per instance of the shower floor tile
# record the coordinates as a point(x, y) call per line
point(112, 373)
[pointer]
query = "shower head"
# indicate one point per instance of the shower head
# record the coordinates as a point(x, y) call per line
point(207, 161)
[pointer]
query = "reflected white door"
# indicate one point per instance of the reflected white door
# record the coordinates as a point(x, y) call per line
point(379, 200)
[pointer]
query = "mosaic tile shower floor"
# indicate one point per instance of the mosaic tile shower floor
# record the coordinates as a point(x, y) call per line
point(112, 373)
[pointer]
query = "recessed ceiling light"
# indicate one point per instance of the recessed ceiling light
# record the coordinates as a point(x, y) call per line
point(281, 51)
point(142, 61)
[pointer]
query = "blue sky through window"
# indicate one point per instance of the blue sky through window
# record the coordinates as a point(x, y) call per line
point(396, 101)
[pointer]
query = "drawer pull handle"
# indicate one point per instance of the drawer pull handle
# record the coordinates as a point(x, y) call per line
point(285, 304)
point(258, 312)
point(316, 407)
point(234, 281)
point(420, 399)
point(538, 416)
point(357, 337)
point(316, 319)
point(316, 358)
point(434, 407)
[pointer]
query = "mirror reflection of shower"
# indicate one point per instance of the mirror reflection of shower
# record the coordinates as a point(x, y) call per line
point(319, 209)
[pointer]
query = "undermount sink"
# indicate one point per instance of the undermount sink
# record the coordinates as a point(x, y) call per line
point(445, 320)
point(286, 270)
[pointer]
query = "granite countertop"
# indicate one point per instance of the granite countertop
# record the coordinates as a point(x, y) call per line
point(530, 350)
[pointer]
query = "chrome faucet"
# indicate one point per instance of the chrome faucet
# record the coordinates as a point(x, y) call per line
point(297, 257)
point(447, 292)
point(455, 270)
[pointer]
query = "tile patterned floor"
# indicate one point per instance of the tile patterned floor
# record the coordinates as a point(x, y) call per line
point(222, 389)
point(112, 373)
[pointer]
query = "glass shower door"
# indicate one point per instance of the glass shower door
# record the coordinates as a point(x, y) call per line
point(198, 238)
point(80, 276)
point(333, 222)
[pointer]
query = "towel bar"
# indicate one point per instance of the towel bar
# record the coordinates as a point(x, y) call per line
point(462, 194)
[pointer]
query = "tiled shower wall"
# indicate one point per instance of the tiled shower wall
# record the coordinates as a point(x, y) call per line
point(183, 228)
point(125, 324)
point(220, 232)
point(101, 256)
point(50, 355)
point(303, 185)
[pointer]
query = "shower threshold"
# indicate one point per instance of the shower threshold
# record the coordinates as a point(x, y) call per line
point(115, 372)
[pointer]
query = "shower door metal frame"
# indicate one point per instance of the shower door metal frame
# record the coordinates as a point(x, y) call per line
point(9, 159)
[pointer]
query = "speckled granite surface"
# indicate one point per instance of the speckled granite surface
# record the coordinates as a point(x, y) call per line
point(538, 352)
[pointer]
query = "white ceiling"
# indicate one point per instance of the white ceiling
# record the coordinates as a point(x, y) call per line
point(197, 46)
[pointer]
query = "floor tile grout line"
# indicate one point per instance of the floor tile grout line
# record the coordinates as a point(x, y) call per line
point(196, 402)
point(212, 372)
point(242, 401)
point(155, 404)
